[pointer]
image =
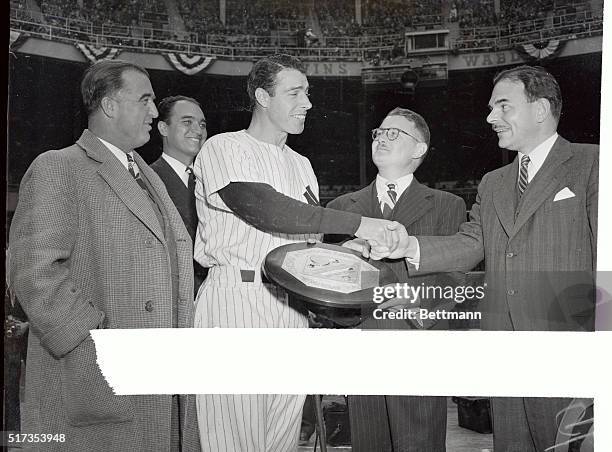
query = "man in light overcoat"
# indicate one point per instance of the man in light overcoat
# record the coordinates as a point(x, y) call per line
point(95, 243)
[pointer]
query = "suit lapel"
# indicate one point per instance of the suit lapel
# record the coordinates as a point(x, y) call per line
point(363, 204)
point(504, 197)
point(545, 181)
point(413, 204)
point(122, 183)
point(173, 182)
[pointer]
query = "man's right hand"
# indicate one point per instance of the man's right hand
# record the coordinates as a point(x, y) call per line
point(360, 245)
point(376, 231)
point(402, 244)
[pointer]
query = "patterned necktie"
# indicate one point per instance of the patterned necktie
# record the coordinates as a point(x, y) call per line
point(522, 182)
point(392, 193)
point(133, 169)
point(387, 210)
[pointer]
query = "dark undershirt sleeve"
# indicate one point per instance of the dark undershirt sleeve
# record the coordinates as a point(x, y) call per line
point(263, 207)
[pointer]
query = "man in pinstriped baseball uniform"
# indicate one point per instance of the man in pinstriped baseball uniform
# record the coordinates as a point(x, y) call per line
point(254, 194)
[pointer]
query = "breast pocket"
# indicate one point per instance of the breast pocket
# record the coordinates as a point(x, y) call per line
point(564, 207)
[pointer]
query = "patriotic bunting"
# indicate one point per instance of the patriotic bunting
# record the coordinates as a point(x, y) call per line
point(17, 39)
point(189, 65)
point(95, 54)
point(541, 50)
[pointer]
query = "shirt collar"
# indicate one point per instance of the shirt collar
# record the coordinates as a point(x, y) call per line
point(179, 167)
point(538, 155)
point(401, 184)
point(116, 152)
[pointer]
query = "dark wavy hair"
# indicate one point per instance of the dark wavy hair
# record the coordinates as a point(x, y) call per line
point(165, 106)
point(263, 73)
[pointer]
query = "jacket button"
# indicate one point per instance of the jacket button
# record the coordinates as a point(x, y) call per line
point(149, 242)
point(510, 254)
point(149, 306)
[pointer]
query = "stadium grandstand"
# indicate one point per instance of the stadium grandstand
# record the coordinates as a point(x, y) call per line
point(341, 29)
point(361, 56)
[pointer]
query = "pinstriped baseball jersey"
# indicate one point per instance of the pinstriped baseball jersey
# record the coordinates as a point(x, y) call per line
point(223, 238)
point(226, 243)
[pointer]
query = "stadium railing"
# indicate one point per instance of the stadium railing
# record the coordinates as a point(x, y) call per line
point(342, 48)
point(151, 45)
point(569, 26)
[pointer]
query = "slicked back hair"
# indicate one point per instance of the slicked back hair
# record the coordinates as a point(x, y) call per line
point(263, 73)
point(539, 84)
point(167, 103)
point(104, 78)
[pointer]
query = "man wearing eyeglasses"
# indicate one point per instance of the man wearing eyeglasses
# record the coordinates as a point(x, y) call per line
point(535, 224)
point(402, 423)
point(182, 126)
point(96, 242)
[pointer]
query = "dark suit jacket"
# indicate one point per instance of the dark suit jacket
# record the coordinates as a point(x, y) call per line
point(88, 251)
point(185, 204)
point(540, 254)
point(421, 210)
point(183, 200)
point(404, 423)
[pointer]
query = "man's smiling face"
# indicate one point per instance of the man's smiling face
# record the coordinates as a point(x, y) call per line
point(185, 131)
point(513, 117)
point(289, 102)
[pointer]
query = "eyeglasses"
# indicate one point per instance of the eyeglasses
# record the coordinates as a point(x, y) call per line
point(392, 133)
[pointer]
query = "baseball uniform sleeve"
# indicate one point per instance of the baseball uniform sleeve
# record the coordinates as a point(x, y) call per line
point(265, 208)
point(222, 161)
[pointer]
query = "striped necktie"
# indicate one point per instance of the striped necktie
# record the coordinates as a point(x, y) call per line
point(522, 182)
point(392, 193)
point(133, 169)
point(387, 210)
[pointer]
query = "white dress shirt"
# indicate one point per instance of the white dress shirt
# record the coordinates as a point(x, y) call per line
point(537, 156)
point(536, 159)
point(117, 153)
point(401, 184)
point(179, 168)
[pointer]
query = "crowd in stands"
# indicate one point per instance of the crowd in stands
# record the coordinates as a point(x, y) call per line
point(200, 17)
point(253, 22)
point(282, 23)
point(479, 13)
point(18, 4)
point(98, 11)
point(337, 17)
point(520, 21)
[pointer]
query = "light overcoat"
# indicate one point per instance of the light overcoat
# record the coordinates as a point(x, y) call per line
point(87, 252)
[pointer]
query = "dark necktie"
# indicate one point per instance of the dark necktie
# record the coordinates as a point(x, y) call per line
point(192, 180)
point(193, 217)
point(392, 193)
point(522, 182)
point(133, 169)
point(387, 210)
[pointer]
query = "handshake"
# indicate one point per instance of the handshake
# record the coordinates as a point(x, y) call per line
point(379, 239)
